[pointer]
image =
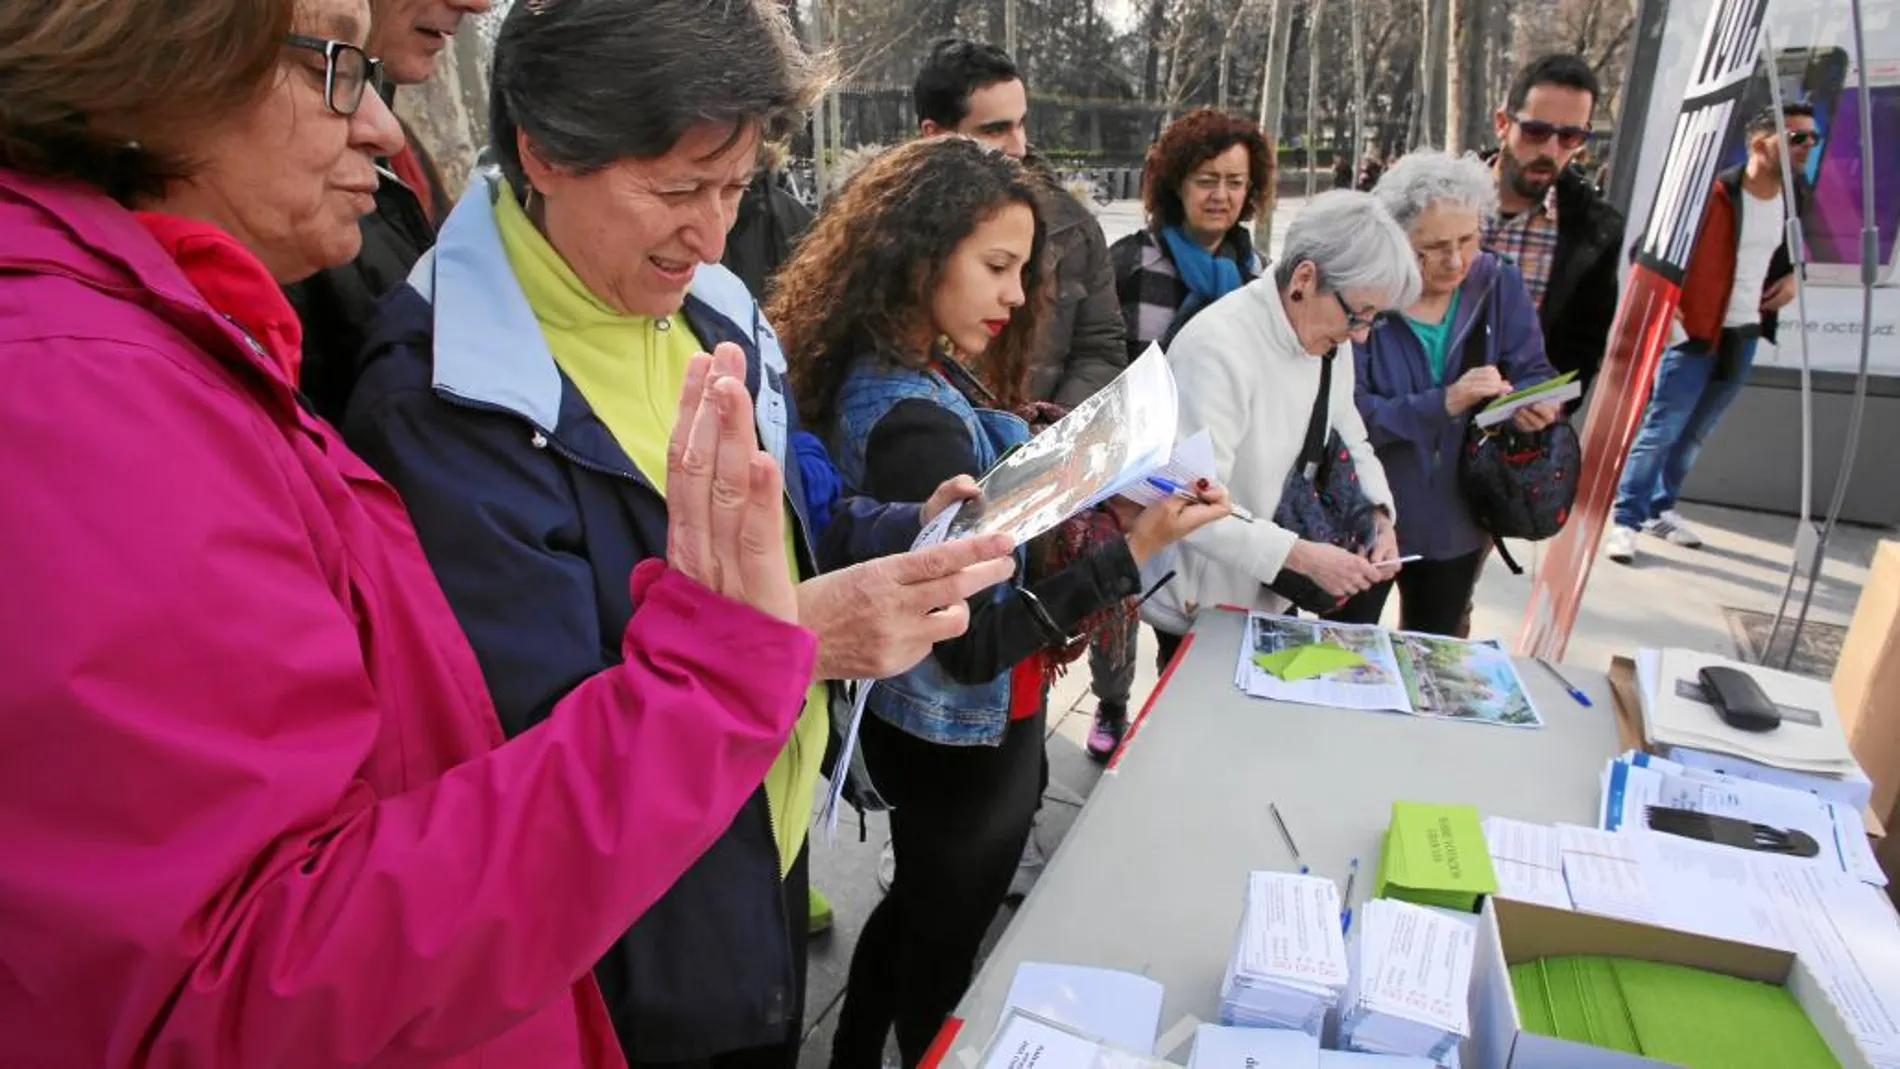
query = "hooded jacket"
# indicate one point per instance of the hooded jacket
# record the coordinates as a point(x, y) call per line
point(253, 794)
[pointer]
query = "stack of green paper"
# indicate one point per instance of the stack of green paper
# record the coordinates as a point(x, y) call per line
point(1675, 1014)
point(1435, 855)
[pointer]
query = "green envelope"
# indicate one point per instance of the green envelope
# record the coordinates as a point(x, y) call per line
point(1305, 662)
point(1435, 855)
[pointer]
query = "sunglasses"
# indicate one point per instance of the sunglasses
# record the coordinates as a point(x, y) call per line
point(1539, 131)
point(1803, 137)
point(1355, 320)
point(348, 71)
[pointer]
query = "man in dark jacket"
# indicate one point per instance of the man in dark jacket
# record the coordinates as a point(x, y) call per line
point(1563, 236)
point(974, 89)
point(335, 305)
point(1740, 277)
point(767, 229)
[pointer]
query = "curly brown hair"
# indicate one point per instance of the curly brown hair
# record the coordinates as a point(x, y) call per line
point(1190, 141)
point(864, 275)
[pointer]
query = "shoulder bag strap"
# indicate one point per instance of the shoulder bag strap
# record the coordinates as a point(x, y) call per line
point(1317, 426)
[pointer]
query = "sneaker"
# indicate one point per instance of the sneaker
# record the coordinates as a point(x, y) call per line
point(1672, 528)
point(819, 920)
point(1621, 546)
point(1029, 869)
point(886, 868)
point(1111, 723)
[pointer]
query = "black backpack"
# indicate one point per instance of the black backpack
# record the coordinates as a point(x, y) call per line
point(1517, 485)
point(1322, 500)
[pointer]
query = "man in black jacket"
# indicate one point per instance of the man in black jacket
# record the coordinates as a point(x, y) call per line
point(1562, 234)
point(335, 305)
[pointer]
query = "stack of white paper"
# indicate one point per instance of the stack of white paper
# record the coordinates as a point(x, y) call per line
point(1106, 1004)
point(1636, 781)
point(1289, 963)
point(1219, 1047)
point(1411, 981)
point(1528, 860)
point(1809, 746)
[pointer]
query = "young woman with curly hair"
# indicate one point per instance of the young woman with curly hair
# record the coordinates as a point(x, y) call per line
point(1205, 177)
point(906, 317)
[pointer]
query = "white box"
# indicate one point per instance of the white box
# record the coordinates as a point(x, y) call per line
point(1511, 932)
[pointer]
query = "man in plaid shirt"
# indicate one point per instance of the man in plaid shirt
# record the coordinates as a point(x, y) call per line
point(1552, 222)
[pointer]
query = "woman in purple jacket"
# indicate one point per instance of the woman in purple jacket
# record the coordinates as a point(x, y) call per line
point(1471, 336)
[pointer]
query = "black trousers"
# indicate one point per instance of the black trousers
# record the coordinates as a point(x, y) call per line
point(1165, 647)
point(960, 818)
point(784, 1053)
point(1433, 595)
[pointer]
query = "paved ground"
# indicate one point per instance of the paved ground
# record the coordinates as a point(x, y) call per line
point(1670, 596)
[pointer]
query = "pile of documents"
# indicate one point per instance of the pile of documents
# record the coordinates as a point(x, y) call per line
point(1289, 963)
point(1808, 752)
point(1435, 855)
point(1671, 1013)
point(1528, 860)
point(1107, 1004)
point(1358, 666)
point(1218, 1047)
point(1411, 981)
point(1803, 825)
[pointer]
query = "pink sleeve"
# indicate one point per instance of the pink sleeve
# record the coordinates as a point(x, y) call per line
point(192, 871)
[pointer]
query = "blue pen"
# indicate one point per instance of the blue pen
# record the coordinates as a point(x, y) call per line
point(1169, 487)
point(1582, 698)
point(1345, 916)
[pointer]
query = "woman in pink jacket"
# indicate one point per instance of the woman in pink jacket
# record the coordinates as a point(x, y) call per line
point(254, 805)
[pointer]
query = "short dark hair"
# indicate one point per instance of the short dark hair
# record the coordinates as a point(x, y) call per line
point(1764, 120)
point(1190, 141)
point(955, 69)
point(1566, 69)
point(565, 70)
point(72, 107)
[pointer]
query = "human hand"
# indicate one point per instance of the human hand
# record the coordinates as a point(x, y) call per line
point(724, 495)
point(877, 619)
point(1174, 517)
point(1338, 572)
point(1473, 388)
point(1777, 296)
point(1533, 418)
point(1385, 546)
point(953, 490)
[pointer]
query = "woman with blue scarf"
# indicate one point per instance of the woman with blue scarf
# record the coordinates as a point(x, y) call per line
point(1206, 176)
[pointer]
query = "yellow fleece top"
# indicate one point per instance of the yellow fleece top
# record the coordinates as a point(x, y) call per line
point(631, 370)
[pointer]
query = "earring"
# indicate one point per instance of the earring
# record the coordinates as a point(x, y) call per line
point(527, 202)
point(1297, 296)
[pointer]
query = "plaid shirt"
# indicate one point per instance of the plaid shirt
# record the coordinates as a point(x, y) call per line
point(1528, 240)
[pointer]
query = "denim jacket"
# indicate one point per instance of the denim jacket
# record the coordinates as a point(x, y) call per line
point(925, 702)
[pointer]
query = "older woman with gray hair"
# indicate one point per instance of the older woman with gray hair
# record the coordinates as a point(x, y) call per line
point(1472, 335)
point(520, 393)
point(1249, 370)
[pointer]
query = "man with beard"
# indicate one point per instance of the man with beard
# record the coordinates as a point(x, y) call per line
point(1551, 221)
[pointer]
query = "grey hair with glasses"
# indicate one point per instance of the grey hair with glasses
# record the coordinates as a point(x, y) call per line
point(1423, 179)
point(1354, 244)
point(593, 82)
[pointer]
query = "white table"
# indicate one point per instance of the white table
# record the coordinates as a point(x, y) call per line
point(1151, 877)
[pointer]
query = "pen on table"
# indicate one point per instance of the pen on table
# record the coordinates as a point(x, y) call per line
point(1582, 698)
point(1168, 487)
point(1288, 836)
point(1345, 915)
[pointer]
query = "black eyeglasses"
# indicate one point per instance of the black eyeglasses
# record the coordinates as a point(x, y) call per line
point(348, 71)
point(1539, 131)
point(1355, 320)
point(1803, 137)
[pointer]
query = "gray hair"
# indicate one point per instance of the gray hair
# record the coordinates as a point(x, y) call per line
point(1429, 177)
point(1353, 243)
point(593, 82)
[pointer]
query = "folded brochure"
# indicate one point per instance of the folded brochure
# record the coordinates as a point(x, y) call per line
point(1564, 387)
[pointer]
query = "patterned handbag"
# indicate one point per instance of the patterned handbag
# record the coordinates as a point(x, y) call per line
point(1323, 501)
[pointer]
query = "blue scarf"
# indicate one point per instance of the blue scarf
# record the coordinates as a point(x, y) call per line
point(1208, 277)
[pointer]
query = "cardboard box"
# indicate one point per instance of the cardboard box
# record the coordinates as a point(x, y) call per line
point(1867, 681)
point(1512, 932)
